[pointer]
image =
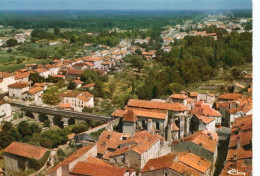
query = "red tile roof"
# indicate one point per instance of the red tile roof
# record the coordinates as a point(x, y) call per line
point(19, 85)
point(75, 72)
point(204, 138)
point(243, 123)
point(118, 113)
point(245, 139)
point(64, 105)
point(150, 113)
point(174, 127)
point(41, 70)
point(5, 75)
point(130, 116)
point(35, 90)
point(156, 105)
point(230, 96)
point(85, 168)
point(178, 96)
point(89, 85)
point(194, 94)
point(26, 150)
point(237, 154)
point(204, 119)
point(77, 82)
point(244, 166)
point(205, 110)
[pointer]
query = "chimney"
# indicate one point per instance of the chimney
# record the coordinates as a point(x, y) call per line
point(109, 136)
point(199, 163)
point(235, 157)
point(238, 142)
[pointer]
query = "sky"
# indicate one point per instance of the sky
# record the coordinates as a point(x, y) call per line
point(124, 4)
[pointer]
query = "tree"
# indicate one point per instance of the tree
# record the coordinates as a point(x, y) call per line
point(47, 123)
point(72, 85)
point(137, 62)
point(71, 121)
point(11, 42)
point(46, 143)
point(78, 128)
point(56, 30)
point(61, 155)
point(57, 121)
point(36, 78)
point(138, 51)
point(42, 117)
point(51, 98)
point(235, 73)
point(35, 128)
point(24, 128)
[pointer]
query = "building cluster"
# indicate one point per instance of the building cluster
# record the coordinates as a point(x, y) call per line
point(240, 154)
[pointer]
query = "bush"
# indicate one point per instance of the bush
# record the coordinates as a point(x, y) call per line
point(46, 143)
point(61, 155)
point(47, 123)
point(11, 42)
point(38, 164)
point(71, 121)
point(78, 128)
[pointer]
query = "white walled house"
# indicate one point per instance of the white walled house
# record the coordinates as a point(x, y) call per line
point(5, 80)
point(43, 72)
point(53, 69)
point(34, 94)
point(199, 122)
point(78, 100)
point(17, 89)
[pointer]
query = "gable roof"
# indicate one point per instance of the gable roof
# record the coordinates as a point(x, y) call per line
point(150, 113)
point(205, 120)
point(118, 113)
point(130, 116)
point(75, 72)
point(35, 90)
point(230, 96)
point(178, 96)
point(19, 85)
point(205, 110)
point(26, 150)
point(156, 105)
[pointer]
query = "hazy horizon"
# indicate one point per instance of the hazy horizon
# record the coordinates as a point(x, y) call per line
point(125, 5)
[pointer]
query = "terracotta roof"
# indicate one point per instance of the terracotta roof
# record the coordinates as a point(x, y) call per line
point(58, 76)
point(204, 138)
point(237, 154)
point(83, 98)
point(156, 105)
point(130, 116)
point(35, 90)
point(89, 64)
point(150, 113)
point(244, 137)
point(64, 105)
point(142, 140)
point(19, 85)
point(72, 157)
point(41, 70)
point(118, 113)
point(39, 85)
point(77, 82)
point(204, 119)
point(5, 75)
point(26, 150)
point(89, 85)
point(108, 139)
point(205, 110)
point(178, 96)
point(79, 64)
point(22, 75)
point(194, 94)
point(230, 96)
point(75, 72)
point(243, 123)
point(240, 109)
point(86, 168)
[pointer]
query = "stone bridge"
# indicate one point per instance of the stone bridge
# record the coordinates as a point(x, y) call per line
point(64, 114)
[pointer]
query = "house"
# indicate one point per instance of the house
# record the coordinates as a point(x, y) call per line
point(53, 69)
point(34, 94)
point(78, 100)
point(78, 83)
point(107, 65)
point(96, 167)
point(135, 152)
point(199, 122)
point(206, 110)
point(66, 166)
point(5, 109)
point(43, 72)
point(149, 55)
point(22, 77)
point(73, 73)
point(174, 98)
point(42, 85)
point(203, 143)
point(181, 164)
point(16, 90)
point(232, 114)
point(5, 80)
point(96, 61)
point(18, 156)
point(194, 96)
point(80, 66)
point(59, 76)
point(89, 65)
